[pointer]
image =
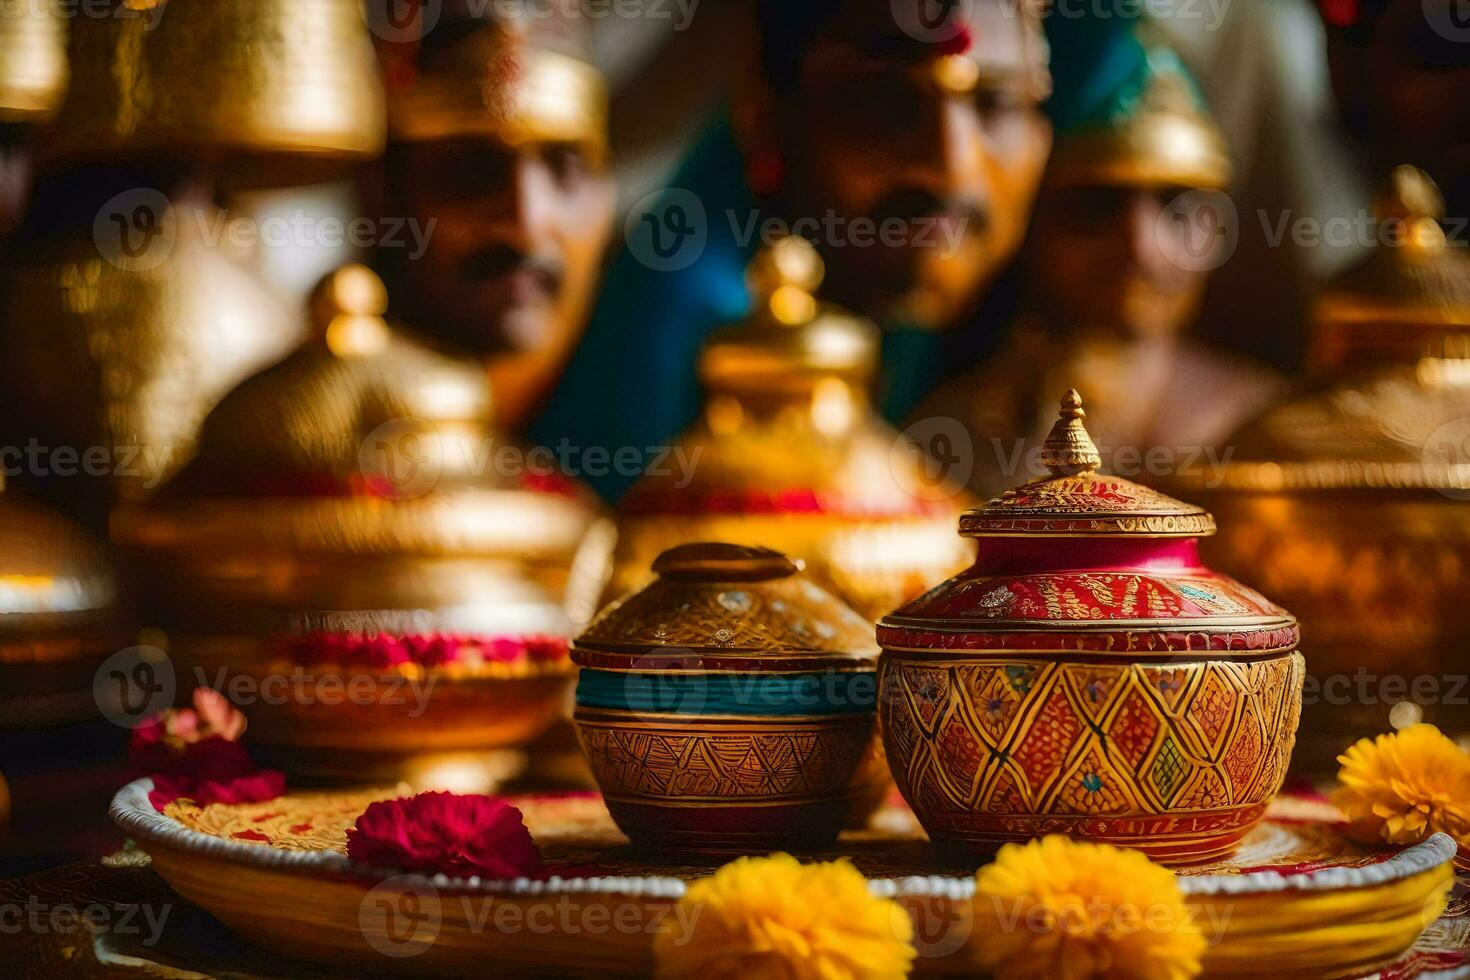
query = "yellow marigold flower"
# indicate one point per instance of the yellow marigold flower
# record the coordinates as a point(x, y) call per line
point(774, 917)
point(1060, 909)
point(1404, 786)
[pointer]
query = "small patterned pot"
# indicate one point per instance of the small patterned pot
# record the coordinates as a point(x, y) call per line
point(1088, 676)
point(728, 705)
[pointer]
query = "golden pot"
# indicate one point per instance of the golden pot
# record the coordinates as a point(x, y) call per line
point(1089, 676)
point(60, 617)
point(278, 77)
point(340, 521)
point(789, 454)
point(728, 705)
point(1348, 500)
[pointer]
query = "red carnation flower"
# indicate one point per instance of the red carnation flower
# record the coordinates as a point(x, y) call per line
point(448, 833)
point(251, 787)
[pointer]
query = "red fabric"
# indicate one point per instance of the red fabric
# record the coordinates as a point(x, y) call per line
point(446, 833)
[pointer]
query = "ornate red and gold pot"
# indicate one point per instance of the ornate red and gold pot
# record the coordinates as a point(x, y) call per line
point(729, 705)
point(789, 454)
point(1089, 676)
point(343, 559)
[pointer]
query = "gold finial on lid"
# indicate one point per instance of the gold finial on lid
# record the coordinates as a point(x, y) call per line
point(1069, 450)
point(785, 278)
point(347, 310)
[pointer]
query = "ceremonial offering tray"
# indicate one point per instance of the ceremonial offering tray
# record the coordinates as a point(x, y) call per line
point(338, 559)
point(1298, 899)
point(59, 616)
point(1348, 500)
point(729, 705)
point(1089, 676)
point(789, 454)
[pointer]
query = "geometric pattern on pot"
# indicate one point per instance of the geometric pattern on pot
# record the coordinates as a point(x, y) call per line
point(1037, 737)
point(745, 760)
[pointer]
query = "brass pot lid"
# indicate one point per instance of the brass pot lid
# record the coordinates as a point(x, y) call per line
point(726, 607)
point(1078, 501)
point(1391, 410)
point(790, 336)
point(33, 69)
point(56, 582)
point(288, 77)
point(363, 441)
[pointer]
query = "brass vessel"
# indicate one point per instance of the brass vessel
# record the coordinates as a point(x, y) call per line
point(291, 77)
point(33, 69)
point(344, 514)
point(1349, 500)
point(789, 454)
point(126, 353)
point(60, 617)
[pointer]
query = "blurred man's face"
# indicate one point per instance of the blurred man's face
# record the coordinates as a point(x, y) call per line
point(944, 151)
point(1419, 69)
point(517, 239)
point(1401, 81)
point(1104, 260)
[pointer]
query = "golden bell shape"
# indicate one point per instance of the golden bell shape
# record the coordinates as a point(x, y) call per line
point(789, 454)
point(1410, 297)
point(126, 348)
point(287, 77)
point(33, 68)
point(59, 617)
point(1348, 500)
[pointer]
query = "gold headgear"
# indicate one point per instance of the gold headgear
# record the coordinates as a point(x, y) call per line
point(293, 77)
point(496, 81)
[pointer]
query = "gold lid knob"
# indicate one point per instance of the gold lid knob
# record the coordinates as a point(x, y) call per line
point(347, 309)
point(1069, 450)
point(717, 561)
point(784, 279)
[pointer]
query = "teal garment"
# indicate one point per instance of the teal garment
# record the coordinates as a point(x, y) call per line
point(631, 382)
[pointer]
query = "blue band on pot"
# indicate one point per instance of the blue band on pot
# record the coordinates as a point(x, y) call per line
point(816, 693)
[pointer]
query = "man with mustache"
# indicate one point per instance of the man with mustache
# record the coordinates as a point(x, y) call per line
point(904, 139)
point(497, 164)
point(1113, 273)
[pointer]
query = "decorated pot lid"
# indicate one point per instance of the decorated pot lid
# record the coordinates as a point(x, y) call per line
point(726, 607)
point(1078, 501)
point(1085, 562)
